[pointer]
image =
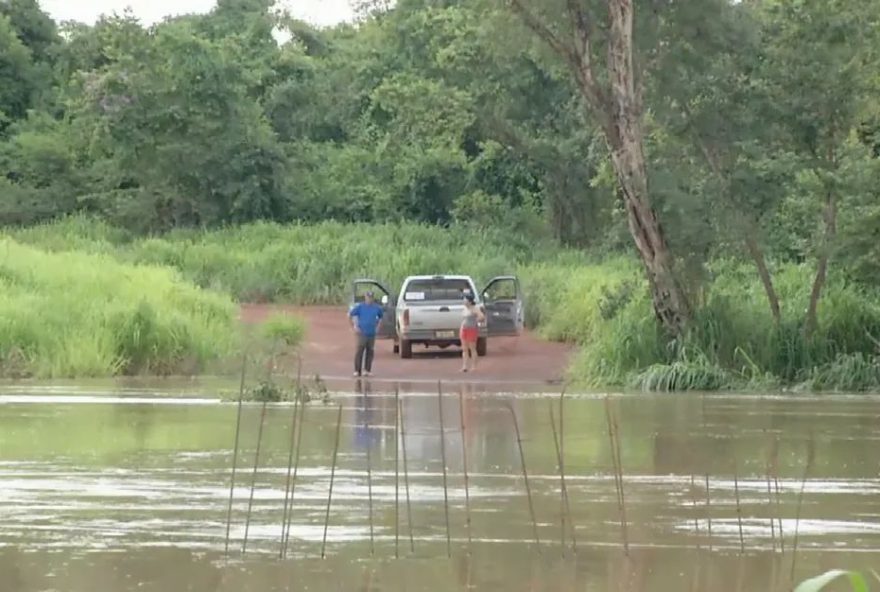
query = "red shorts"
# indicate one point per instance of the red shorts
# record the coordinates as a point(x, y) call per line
point(469, 334)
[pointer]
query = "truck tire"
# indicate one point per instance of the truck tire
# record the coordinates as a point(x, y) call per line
point(396, 348)
point(405, 349)
point(482, 346)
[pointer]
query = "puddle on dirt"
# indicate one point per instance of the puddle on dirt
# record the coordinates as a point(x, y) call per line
point(120, 491)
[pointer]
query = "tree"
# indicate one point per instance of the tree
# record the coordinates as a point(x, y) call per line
point(17, 75)
point(821, 67)
point(615, 99)
point(708, 94)
point(175, 137)
point(36, 29)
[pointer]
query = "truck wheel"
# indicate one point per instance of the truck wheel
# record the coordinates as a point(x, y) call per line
point(482, 346)
point(396, 347)
point(405, 349)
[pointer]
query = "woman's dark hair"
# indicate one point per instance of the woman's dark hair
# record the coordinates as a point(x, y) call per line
point(470, 298)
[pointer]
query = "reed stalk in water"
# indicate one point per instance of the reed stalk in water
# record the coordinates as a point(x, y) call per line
point(289, 474)
point(412, 544)
point(565, 507)
point(620, 478)
point(369, 474)
point(464, 459)
point(770, 508)
point(332, 477)
point(247, 524)
point(614, 440)
point(811, 456)
point(299, 432)
point(694, 506)
point(739, 521)
point(235, 452)
point(774, 457)
point(709, 511)
point(396, 472)
point(443, 458)
point(522, 458)
point(562, 468)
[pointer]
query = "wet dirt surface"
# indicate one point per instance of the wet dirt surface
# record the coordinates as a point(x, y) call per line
point(524, 361)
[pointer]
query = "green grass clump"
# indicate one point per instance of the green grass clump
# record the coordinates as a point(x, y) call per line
point(69, 314)
point(847, 373)
point(284, 330)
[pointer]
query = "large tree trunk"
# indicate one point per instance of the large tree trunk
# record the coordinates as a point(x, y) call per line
point(670, 303)
point(830, 217)
point(623, 130)
point(618, 108)
point(766, 279)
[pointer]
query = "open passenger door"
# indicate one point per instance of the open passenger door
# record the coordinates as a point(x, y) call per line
point(505, 312)
point(387, 328)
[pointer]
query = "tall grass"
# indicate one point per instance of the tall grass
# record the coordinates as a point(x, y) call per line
point(73, 314)
point(306, 264)
point(603, 307)
point(733, 341)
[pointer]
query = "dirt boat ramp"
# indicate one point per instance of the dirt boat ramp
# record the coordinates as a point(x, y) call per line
point(524, 362)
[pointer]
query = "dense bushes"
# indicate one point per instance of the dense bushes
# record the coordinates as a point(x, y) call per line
point(732, 342)
point(604, 306)
point(76, 314)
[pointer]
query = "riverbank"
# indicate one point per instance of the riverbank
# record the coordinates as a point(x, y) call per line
point(598, 308)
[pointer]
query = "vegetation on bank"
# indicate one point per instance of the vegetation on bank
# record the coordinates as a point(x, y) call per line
point(600, 305)
point(478, 137)
point(74, 314)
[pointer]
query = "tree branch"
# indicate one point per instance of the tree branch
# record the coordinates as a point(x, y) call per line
point(584, 32)
point(751, 242)
point(542, 30)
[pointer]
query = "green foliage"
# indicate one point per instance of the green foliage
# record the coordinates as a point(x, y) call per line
point(306, 264)
point(16, 75)
point(855, 579)
point(79, 315)
point(760, 123)
point(285, 330)
point(732, 341)
point(601, 306)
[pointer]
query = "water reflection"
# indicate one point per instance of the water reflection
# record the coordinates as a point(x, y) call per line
point(133, 497)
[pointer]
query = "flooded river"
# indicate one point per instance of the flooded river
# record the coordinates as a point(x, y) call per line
point(130, 491)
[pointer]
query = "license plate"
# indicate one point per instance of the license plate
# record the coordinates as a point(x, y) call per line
point(445, 334)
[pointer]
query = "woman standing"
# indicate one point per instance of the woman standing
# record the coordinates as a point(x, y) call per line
point(470, 332)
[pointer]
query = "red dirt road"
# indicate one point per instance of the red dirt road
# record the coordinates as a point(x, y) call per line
point(329, 350)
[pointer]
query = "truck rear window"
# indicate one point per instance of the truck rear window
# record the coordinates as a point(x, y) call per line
point(436, 289)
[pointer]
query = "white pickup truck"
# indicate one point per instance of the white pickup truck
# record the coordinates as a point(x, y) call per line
point(428, 310)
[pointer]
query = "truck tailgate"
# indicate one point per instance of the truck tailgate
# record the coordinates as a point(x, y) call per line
point(436, 317)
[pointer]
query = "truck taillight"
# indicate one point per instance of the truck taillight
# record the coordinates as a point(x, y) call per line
point(406, 318)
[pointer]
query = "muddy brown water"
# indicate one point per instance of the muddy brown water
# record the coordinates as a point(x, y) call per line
point(129, 490)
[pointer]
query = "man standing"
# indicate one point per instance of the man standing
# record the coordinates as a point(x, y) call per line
point(365, 319)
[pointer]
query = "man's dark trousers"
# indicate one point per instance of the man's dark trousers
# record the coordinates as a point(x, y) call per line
point(365, 347)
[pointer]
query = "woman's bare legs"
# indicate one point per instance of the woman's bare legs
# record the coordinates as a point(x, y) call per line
point(467, 355)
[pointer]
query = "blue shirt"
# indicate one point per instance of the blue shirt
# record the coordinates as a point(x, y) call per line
point(368, 316)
